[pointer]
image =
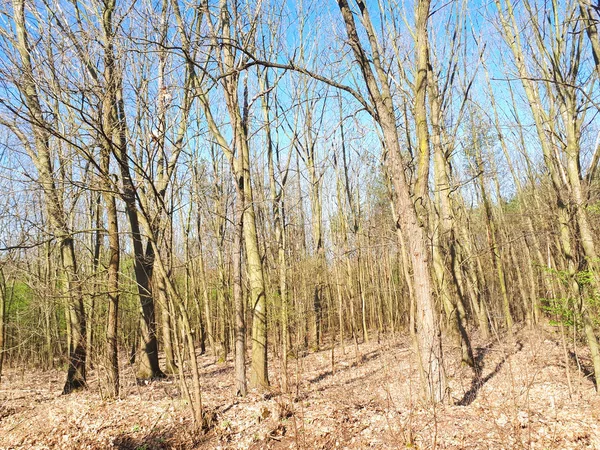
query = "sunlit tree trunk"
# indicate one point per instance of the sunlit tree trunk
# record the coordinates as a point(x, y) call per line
point(428, 332)
point(3, 318)
point(42, 159)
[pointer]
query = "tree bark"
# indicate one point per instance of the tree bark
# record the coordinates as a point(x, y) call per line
point(428, 332)
point(40, 155)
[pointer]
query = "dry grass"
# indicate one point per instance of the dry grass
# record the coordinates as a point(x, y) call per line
point(520, 399)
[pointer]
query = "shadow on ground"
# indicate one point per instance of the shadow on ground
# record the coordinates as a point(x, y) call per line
point(586, 369)
point(479, 380)
point(159, 440)
point(365, 358)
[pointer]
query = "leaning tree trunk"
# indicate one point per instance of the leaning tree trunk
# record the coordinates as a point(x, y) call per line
point(428, 331)
point(42, 159)
point(148, 366)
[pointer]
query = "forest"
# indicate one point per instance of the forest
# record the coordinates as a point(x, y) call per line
point(299, 224)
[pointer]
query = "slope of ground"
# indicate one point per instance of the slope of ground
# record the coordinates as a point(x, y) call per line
point(520, 399)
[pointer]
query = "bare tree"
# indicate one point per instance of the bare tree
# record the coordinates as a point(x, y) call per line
point(382, 109)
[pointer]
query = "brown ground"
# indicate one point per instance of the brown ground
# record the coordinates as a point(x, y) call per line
point(521, 400)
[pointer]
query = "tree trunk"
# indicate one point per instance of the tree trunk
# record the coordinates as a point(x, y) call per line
point(428, 332)
point(42, 159)
point(238, 299)
point(3, 318)
point(113, 293)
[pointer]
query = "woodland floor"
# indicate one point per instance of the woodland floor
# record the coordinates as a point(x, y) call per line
point(520, 400)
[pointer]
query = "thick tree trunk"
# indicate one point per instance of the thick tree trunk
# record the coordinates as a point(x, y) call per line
point(111, 131)
point(167, 319)
point(428, 332)
point(76, 375)
point(143, 262)
point(258, 369)
point(113, 294)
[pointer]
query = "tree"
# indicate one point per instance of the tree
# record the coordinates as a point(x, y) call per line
point(382, 109)
point(40, 153)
